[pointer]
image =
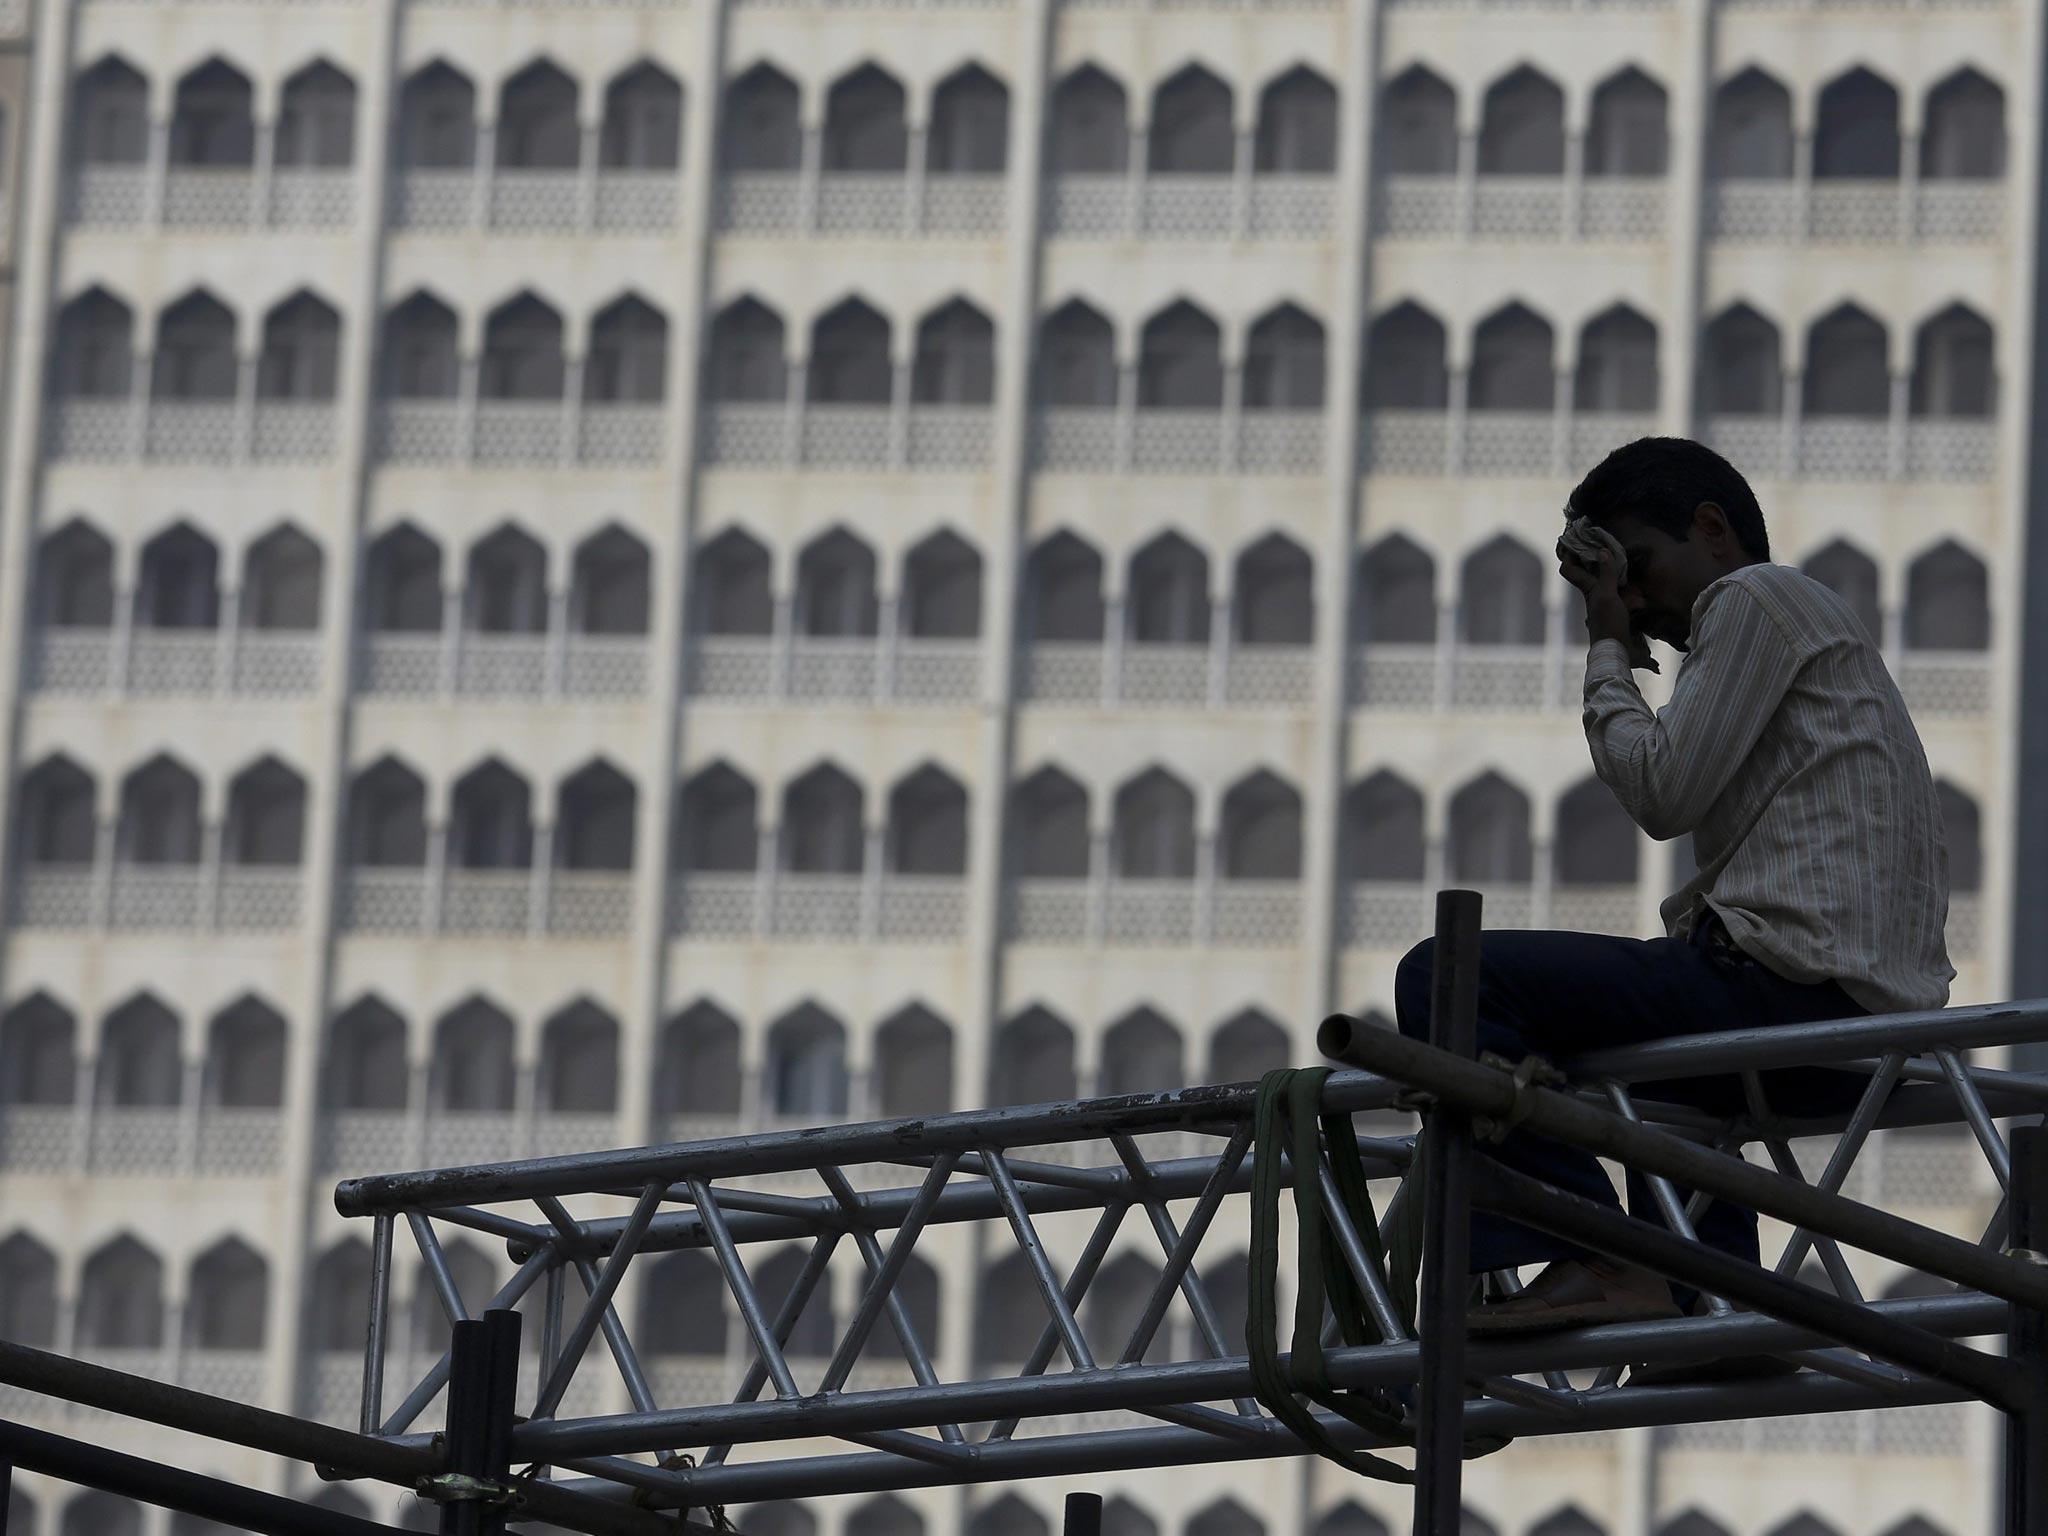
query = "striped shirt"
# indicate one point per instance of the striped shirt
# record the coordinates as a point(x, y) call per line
point(1787, 752)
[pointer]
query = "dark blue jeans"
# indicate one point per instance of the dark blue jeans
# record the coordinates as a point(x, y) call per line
point(1554, 993)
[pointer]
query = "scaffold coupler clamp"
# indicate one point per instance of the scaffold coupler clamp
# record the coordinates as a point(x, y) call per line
point(460, 1488)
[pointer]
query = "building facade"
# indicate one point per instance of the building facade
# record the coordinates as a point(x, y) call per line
point(592, 571)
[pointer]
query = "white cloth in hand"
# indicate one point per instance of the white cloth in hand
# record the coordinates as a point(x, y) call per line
point(1581, 543)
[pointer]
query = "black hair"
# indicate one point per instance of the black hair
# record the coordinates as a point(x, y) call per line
point(1660, 480)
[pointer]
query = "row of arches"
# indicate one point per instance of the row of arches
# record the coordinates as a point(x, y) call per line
point(120, 1296)
point(178, 582)
point(535, 121)
point(96, 1513)
point(1753, 133)
point(1183, 353)
point(1167, 588)
point(162, 816)
point(804, 1062)
point(213, 118)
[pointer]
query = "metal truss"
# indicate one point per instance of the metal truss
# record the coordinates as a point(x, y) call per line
point(797, 1428)
point(1056, 1185)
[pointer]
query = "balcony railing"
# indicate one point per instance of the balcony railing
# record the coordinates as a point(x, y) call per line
point(826, 435)
point(212, 198)
point(405, 664)
point(1233, 675)
point(487, 903)
point(519, 434)
point(195, 432)
point(514, 200)
point(211, 1141)
point(236, 898)
point(818, 908)
point(175, 662)
point(1180, 206)
point(1178, 442)
point(885, 205)
point(836, 669)
point(1846, 211)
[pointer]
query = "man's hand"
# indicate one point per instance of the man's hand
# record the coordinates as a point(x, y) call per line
point(1606, 614)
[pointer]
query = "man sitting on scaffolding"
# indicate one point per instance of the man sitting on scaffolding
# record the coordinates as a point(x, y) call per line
point(1787, 754)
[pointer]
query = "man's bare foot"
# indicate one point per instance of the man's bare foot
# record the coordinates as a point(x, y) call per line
point(1578, 1293)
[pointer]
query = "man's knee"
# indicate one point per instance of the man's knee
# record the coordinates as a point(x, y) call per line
point(1411, 990)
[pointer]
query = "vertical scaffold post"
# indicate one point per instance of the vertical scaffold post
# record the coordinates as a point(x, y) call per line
point(2026, 1426)
point(6, 1492)
point(1446, 1227)
point(483, 1379)
point(1083, 1515)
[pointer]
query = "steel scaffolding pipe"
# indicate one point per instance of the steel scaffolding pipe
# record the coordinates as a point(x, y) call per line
point(886, 1188)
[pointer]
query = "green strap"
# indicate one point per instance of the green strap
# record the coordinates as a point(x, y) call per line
point(1287, 1117)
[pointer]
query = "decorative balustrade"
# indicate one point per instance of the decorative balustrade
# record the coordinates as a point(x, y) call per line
point(922, 909)
point(422, 199)
point(804, 907)
point(406, 664)
point(950, 437)
point(605, 667)
point(1518, 208)
point(810, 907)
point(959, 205)
point(383, 900)
point(358, 1140)
point(1510, 443)
point(746, 433)
point(579, 904)
point(1074, 438)
point(1046, 911)
point(517, 433)
point(229, 1142)
point(459, 1136)
point(38, 1138)
point(757, 203)
point(176, 662)
point(1255, 914)
point(1845, 211)
point(1383, 914)
point(135, 1139)
point(845, 436)
point(621, 433)
point(486, 901)
point(836, 668)
point(1273, 442)
point(1164, 674)
point(1176, 442)
point(1149, 912)
point(418, 431)
point(191, 431)
point(91, 430)
point(155, 896)
point(1945, 682)
point(307, 197)
point(208, 197)
point(1187, 207)
point(1497, 678)
point(1407, 442)
point(1168, 675)
point(1948, 450)
point(1753, 444)
point(1595, 434)
point(631, 201)
point(708, 905)
point(240, 1142)
point(54, 896)
point(590, 904)
point(108, 196)
point(1596, 909)
point(1844, 448)
point(292, 431)
point(524, 202)
point(499, 666)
